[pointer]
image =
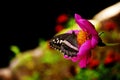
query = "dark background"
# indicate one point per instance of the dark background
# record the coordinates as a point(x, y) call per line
point(24, 23)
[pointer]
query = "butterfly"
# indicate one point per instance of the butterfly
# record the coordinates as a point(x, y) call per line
point(65, 43)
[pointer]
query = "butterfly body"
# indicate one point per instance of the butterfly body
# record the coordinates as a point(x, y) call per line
point(65, 43)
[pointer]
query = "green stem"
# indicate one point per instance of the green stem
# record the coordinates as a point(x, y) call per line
point(100, 33)
point(112, 44)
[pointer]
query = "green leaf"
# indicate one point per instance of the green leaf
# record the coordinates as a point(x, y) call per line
point(15, 49)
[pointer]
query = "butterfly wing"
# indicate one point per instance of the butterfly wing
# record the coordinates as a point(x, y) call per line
point(57, 40)
point(66, 43)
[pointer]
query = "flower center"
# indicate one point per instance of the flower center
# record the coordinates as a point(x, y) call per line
point(82, 36)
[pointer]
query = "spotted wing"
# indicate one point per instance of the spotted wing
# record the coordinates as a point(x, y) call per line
point(66, 43)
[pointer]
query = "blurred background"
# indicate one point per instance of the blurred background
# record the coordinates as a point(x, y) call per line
point(25, 23)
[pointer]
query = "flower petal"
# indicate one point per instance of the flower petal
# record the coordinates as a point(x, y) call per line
point(84, 48)
point(65, 56)
point(78, 19)
point(77, 16)
point(89, 26)
point(83, 62)
point(68, 58)
point(85, 25)
point(94, 41)
point(75, 59)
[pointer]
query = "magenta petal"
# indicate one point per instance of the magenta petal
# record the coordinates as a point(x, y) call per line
point(75, 59)
point(90, 27)
point(65, 56)
point(85, 48)
point(94, 41)
point(83, 62)
point(68, 58)
point(84, 53)
point(78, 20)
point(77, 16)
point(85, 25)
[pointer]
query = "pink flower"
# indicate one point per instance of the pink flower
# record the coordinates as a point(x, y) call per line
point(87, 38)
